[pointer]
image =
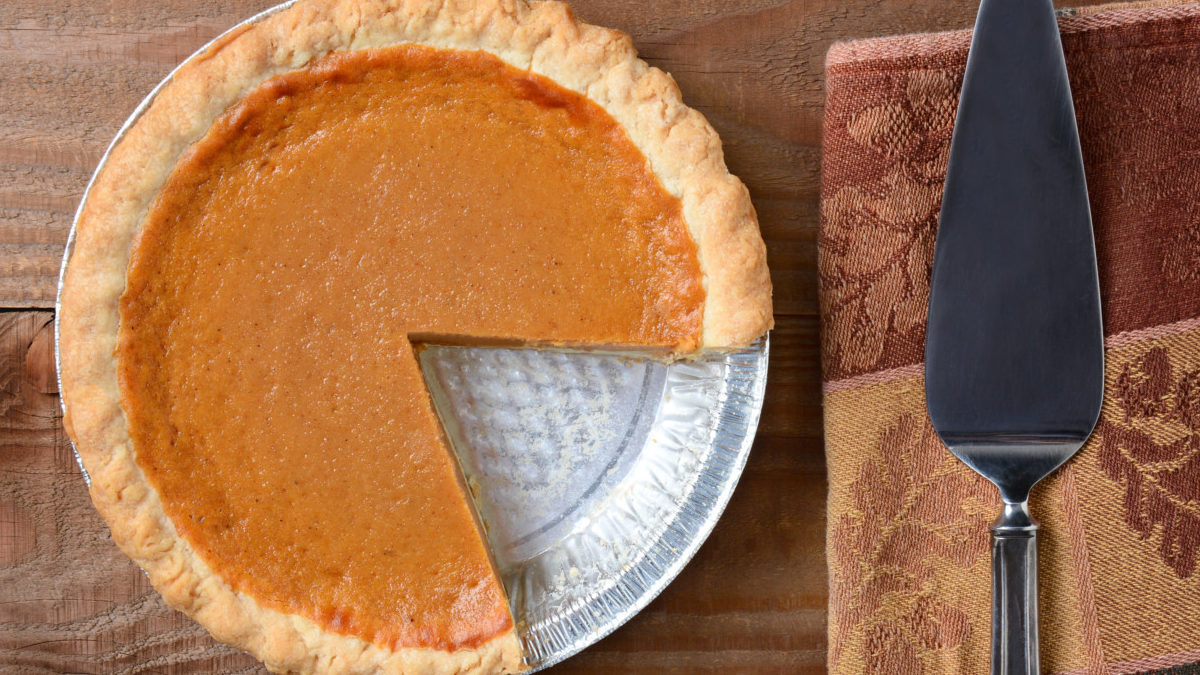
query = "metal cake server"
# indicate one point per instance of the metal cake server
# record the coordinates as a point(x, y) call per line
point(1014, 357)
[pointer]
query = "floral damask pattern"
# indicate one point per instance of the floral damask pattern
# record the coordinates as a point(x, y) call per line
point(907, 539)
point(877, 239)
point(1181, 262)
point(1151, 446)
point(912, 501)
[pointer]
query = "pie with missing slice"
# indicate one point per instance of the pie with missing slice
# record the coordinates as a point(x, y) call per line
point(299, 206)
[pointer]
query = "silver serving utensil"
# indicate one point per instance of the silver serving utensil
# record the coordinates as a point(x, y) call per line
point(1014, 357)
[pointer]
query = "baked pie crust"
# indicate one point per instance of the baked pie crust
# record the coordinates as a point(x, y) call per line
point(681, 149)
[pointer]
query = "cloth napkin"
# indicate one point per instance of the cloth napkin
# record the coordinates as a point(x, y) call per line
point(908, 524)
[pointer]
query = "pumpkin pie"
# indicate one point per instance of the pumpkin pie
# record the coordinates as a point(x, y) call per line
point(301, 205)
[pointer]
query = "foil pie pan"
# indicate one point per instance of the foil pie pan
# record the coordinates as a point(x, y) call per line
point(596, 475)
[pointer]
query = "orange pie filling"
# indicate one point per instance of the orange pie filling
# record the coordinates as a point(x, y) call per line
point(272, 393)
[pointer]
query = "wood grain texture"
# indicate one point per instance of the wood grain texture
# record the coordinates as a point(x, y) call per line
point(69, 600)
point(752, 601)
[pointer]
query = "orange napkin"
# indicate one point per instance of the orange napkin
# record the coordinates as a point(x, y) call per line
point(908, 538)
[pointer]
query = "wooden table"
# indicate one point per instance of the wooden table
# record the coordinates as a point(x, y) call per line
point(752, 601)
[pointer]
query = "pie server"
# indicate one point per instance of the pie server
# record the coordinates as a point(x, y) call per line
point(1014, 355)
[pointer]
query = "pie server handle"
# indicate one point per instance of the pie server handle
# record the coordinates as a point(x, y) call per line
point(1014, 592)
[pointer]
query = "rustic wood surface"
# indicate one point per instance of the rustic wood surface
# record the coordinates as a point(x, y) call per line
point(752, 601)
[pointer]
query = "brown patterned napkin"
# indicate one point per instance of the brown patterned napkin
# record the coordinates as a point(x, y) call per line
point(908, 538)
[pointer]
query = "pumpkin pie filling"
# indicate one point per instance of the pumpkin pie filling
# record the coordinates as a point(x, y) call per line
point(287, 266)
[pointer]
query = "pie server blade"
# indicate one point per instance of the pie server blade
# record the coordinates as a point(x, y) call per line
point(1014, 360)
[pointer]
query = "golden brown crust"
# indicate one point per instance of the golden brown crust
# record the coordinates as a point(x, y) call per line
point(681, 147)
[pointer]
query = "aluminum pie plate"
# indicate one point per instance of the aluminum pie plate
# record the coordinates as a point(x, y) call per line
point(596, 475)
